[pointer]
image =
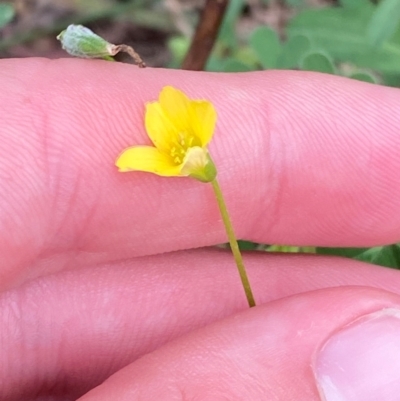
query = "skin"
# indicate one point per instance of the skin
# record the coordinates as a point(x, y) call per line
point(90, 306)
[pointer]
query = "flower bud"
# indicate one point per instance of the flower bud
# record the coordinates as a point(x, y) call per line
point(198, 165)
point(80, 41)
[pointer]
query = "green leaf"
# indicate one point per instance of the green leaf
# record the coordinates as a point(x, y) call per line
point(233, 65)
point(246, 55)
point(384, 22)
point(295, 3)
point(227, 33)
point(265, 42)
point(317, 62)
point(293, 50)
point(341, 33)
point(388, 256)
point(247, 245)
point(355, 4)
point(391, 79)
point(6, 13)
point(214, 64)
point(364, 76)
point(344, 252)
point(178, 46)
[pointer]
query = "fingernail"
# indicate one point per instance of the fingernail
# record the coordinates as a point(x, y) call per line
point(361, 362)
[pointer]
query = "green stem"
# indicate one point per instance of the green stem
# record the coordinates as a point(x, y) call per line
point(233, 243)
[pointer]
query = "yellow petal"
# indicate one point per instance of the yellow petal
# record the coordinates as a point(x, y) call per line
point(160, 129)
point(193, 118)
point(176, 106)
point(149, 159)
point(179, 110)
point(203, 119)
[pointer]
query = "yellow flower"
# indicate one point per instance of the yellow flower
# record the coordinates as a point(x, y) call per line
point(180, 130)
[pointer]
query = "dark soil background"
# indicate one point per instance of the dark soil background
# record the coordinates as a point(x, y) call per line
point(144, 25)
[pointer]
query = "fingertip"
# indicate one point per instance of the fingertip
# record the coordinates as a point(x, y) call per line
point(252, 355)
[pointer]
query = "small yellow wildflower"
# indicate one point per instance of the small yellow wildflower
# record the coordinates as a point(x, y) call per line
point(180, 129)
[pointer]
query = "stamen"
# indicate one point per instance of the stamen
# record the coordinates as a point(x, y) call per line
point(180, 148)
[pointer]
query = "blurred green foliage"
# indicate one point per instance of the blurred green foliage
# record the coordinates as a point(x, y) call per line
point(6, 13)
point(388, 256)
point(357, 38)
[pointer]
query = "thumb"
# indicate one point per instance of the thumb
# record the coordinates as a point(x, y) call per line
point(285, 350)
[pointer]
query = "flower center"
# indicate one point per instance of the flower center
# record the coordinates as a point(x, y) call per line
point(180, 147)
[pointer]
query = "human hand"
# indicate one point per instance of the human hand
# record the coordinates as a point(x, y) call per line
point(87, 293)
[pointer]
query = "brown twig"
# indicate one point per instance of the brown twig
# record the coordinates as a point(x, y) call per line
point(205, 35)
point(129, 50)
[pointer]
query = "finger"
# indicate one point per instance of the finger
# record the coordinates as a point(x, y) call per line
point(68, 332)
point(302, 159)
point(274, 352)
